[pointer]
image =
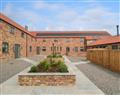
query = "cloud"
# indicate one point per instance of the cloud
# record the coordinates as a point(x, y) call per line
point(24, 16)
point(44, 5)
point(92, 18)
point(8, 9)
point(63, 17)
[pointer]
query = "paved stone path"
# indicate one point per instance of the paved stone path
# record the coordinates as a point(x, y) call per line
point(83, 86)
point(77, 59)
point(13, 67)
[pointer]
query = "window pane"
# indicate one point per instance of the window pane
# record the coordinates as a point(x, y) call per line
point(114, 46)
point(81, 49)
point(11, 29)
point(5, 47)
point(22, 34)
point(76, 49)
point(44, 48)
point(30, 48)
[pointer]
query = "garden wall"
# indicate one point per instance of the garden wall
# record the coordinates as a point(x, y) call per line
point(46, 79)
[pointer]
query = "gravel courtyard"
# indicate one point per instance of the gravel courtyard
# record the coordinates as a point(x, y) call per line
point(107, 81)
point(13, 67)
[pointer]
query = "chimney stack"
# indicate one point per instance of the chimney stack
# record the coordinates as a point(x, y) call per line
point(117, 30)
point(26, 27)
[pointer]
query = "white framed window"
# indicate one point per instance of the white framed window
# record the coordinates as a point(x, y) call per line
point(11, 29)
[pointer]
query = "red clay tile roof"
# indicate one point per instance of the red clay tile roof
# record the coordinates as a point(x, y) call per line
point(69, 33)
point(60, 37)
point(90, 37)
point(8, 20)
point(106, 40)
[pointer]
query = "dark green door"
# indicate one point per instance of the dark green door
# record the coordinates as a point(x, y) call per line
point(17, 50)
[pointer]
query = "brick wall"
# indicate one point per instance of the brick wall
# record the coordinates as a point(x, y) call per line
point(48, 80)
point(1, 41)
point(12, 39)
point(31, 43)
point(62, 43)
point(28, 41)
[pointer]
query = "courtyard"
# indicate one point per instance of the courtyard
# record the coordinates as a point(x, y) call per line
point(59, 47)
point(90, 79)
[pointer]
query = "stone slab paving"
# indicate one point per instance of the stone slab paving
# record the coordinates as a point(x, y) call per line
point(77, 59)
point(83, 86)
point(13, 67)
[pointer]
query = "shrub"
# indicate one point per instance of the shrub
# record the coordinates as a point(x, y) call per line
point(62, 67)
point(45, 65)
point(54, 56)
point(49, 56)
point(60, 56)
point(33, 69)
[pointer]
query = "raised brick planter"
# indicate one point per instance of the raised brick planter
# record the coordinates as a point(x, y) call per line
point(48, 79)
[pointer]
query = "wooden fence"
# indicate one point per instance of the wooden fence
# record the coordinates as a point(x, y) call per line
point(107, 58)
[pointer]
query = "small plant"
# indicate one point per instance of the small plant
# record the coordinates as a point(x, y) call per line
point(50, 65)
point(45, 65)
point(62, 67)
point(60, 56)
point(49, 56)
point(54, 56)
point(33, 69)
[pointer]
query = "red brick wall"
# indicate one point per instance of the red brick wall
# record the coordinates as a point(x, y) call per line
point(12, 39)
point(31, 42)
point(62, 42)
point(1, 41)
point(16, 38)
point(28, 40)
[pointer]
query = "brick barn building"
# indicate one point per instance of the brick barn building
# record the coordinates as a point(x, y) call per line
point(111, 43)
point(16, 41)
